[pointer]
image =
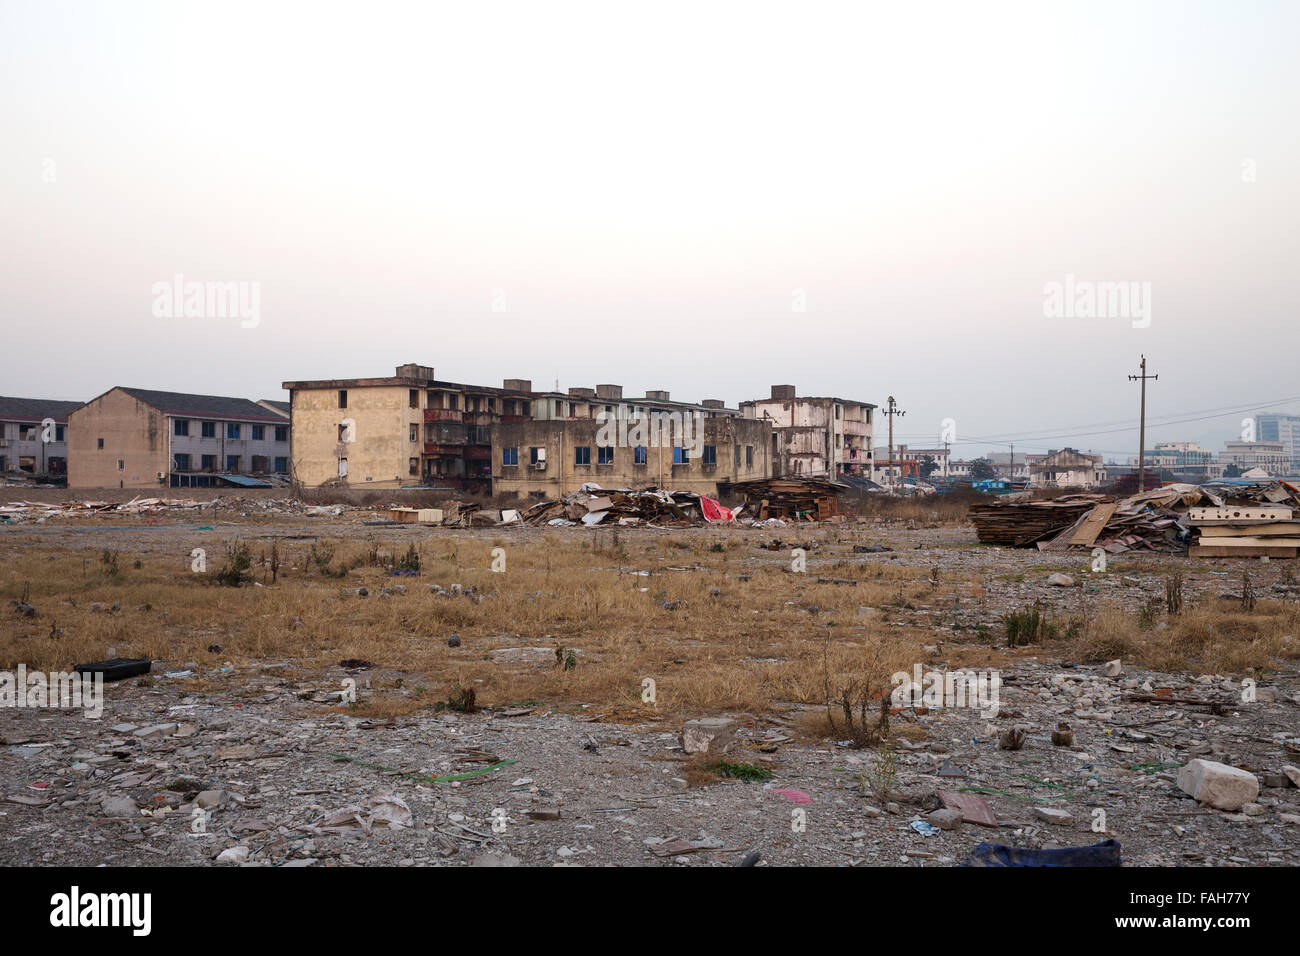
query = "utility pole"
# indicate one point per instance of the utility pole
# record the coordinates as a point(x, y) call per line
point(1142, 423)
point(891, 412)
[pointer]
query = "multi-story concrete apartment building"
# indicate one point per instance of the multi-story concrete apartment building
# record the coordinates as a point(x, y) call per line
point(139, 438)
point(599, 435)
point(34, 437)
point(407, 429)
point(822, 436)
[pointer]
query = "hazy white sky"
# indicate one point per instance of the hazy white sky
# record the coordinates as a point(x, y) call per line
point(651, 191)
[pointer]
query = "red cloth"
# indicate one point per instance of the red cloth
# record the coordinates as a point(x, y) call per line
point(714, 511)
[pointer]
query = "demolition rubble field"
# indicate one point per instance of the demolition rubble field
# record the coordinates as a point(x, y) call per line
point(304, 716)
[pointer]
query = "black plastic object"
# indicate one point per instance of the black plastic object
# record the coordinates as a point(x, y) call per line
point(1106, 853)
point(119, 668)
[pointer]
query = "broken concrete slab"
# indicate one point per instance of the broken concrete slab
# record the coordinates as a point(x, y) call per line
point(1217, 784)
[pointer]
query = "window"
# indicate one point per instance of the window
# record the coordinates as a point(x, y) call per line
point(259, 431)
point(559, 408)
point(680, 456)
point(582, 455)
point(208, 429)
point(492, 404)
point(710, 454)
point(232, 463)
point(605, 455)
point(415, 433)
point(737, 455)
point(282, 466)
point(182, 462)
point(749, 456)
point(121, 465)
point(525, 406)
point(509, 456)
point(638, 455)
point(101, 443)
point(209, 462)
point(343, 398)
point(343, 432)
point(536, 454)
point(181, 427)
point(413, 399)
point(232, 430)
point(343, 467)
point(58, 432)
point(281, 432)
point(413, 466)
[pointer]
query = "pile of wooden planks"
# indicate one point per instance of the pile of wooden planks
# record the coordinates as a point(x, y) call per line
point(1023, 523)
point(790, 499)
point(1244, 532)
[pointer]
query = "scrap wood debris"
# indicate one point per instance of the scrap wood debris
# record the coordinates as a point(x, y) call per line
point(1218, 519)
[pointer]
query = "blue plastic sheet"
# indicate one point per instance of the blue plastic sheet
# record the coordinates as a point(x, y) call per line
point(1105, 853)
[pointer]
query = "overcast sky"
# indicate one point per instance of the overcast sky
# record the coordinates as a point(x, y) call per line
point(858, 199)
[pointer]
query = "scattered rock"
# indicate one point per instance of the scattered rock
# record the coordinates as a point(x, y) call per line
point(708, 735)
point(1217, 784)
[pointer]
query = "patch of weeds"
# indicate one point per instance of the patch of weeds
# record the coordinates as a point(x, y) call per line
point(238, 562)
point(1029, 625)
point(737, 771)
point(409, 561)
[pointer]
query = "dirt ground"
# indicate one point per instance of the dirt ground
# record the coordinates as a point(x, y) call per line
point(280, 716)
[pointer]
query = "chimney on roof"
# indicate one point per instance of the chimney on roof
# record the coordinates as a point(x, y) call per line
point(517, 384)
point(612, 392)
point(412, 370)
point(783, 392)
point(713, 403)
point(658, 395)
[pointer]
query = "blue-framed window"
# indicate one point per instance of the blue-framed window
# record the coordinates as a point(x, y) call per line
point(232, 430)
point(582, 455)
point(638, 455)
point(680, 455)
point(604, 454)
point(710, 454)
point(208, 429)
point(509, 456)
point(258, 432)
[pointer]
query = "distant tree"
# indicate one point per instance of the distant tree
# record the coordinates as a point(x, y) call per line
point(927, 466)
point(1232, 471)
point(982, 469)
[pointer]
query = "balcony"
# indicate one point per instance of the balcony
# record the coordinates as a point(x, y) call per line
point(443, 415)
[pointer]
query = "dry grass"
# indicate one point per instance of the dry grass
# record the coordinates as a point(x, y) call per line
point(773, 641)
point(1210, 637)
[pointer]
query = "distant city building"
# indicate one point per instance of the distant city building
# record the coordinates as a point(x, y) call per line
point(1068, 468)
point(1278, 427)
point(1271, 456)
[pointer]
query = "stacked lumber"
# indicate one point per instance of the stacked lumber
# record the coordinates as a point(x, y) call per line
point(1021, 524)
point(1244, 532)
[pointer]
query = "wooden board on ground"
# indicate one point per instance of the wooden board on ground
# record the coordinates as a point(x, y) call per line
point(1093, 524)
point(1213, 551)
point(1251, 541)
point(1267, 513)
point(1270, 529)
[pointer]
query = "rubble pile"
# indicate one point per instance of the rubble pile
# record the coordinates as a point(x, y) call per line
point(593, 505)
point(1216, 520)
point(790, 499)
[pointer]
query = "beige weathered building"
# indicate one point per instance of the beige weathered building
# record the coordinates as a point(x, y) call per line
point(140, 438)
point(408, 429)
point(816, 436)
point(548, 458)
